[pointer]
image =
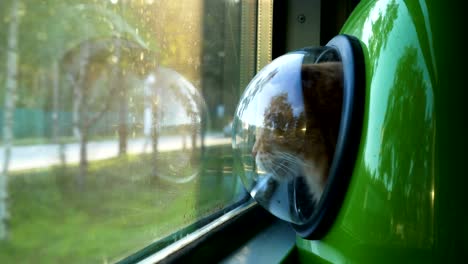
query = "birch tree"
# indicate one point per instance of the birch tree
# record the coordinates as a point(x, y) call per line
point(10, 96)
point(56, 139)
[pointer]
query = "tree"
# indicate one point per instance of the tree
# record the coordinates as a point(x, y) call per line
point(406, 156)
point(279, 114)
point(56, 139)
point(156, 113)
point(123, 111)
point(10, 95)
point(85, 65)
point(383, 25)
point(89, 50)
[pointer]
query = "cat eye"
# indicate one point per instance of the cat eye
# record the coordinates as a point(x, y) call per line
point(315, 97)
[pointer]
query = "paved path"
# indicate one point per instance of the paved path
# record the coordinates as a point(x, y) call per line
point(40, 156)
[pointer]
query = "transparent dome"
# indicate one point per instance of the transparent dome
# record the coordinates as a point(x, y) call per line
point(174, 110)
point(285, 131)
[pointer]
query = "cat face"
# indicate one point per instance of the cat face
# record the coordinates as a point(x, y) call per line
point(301, 145)
point(277, 152)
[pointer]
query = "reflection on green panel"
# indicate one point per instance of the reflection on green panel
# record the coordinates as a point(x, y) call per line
point(404, 203)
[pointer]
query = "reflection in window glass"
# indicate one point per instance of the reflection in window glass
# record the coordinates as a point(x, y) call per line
point(115, 122)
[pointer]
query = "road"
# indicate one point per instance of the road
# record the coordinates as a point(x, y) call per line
point(40, 156)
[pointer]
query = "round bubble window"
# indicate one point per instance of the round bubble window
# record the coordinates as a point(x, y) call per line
point(173, 120)
point(292, 128)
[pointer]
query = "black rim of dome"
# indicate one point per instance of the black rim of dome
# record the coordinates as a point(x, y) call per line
point(352, 58)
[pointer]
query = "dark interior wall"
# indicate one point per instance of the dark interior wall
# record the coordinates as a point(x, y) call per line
point(220, 59)
point(333, 14)
point(279, 28)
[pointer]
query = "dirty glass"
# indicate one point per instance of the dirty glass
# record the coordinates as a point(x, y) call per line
point(115, 122)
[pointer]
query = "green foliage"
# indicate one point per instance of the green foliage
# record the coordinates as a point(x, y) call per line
point(48, 30)
point(199, 39)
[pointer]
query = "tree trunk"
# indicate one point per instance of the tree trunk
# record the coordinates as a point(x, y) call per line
point(123, 113)
point(10, 95)
point(123, 102)
point(81, 176)
point(79, 132)
point(184, 139)
point(55, 113)
point(194, 130)
point(77, 101)
point(194, 138)
point(154, 140)
point(79, 129)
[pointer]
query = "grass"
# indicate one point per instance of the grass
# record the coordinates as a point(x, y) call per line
point(121, 209)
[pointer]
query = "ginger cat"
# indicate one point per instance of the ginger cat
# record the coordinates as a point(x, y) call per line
point(290, 146)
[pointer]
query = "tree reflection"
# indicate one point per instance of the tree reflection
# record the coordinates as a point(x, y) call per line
point(279, 115)
point(407, 151)
point(282, 130)
point(382, 26)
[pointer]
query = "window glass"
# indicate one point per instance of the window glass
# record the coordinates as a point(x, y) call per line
point(115, 122)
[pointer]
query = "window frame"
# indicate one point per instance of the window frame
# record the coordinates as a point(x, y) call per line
point(203, 238)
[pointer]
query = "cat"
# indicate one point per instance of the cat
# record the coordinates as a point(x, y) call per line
point(303, 145)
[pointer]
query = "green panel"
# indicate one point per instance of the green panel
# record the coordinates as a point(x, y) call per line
point(402, 200)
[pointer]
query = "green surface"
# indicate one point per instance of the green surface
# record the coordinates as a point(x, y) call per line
point(120, 211)
point(406, 200)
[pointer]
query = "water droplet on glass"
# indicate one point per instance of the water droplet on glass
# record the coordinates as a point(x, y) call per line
point(114, 59)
